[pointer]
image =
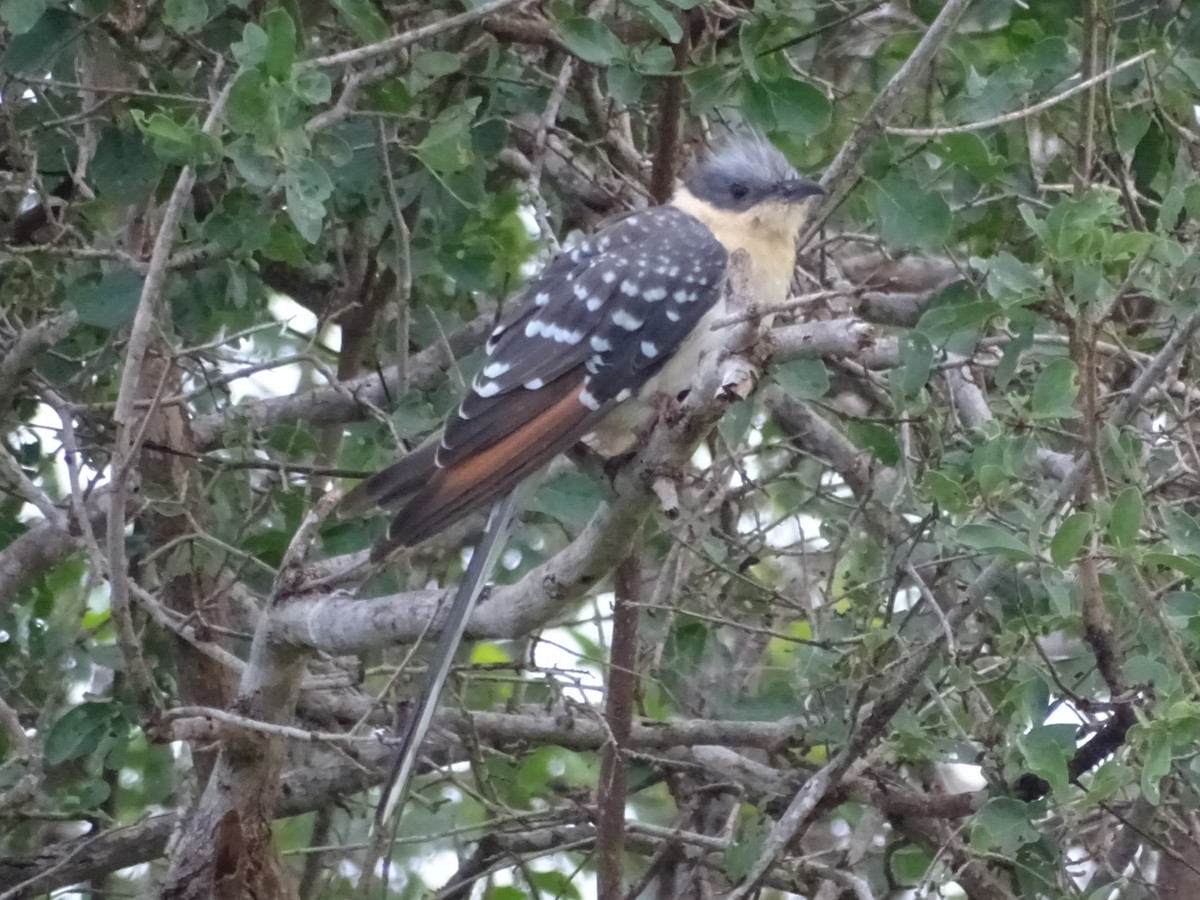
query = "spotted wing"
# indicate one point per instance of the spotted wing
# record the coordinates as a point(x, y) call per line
point(607, 314)
point(601, 319)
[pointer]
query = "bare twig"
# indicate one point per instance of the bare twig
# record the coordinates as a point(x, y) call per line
point(1025, 112)
point(413, 36)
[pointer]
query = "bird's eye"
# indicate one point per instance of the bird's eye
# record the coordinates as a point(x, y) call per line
point(738, 190)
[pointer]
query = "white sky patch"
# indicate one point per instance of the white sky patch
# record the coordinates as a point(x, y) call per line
point(285, 309)
point(560, 650)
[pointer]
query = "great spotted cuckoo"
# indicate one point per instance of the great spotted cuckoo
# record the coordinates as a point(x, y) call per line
point(613, 322)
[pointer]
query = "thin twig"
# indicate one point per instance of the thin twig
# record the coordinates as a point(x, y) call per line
point(403, 291)
point(399, 41)
point(1024, 113)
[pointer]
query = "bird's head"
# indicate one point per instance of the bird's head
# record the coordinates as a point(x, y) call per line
point(748, 179)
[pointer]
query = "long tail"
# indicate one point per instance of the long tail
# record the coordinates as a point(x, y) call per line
point(395, 788)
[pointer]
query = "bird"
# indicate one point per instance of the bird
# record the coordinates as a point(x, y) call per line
point(611, 323)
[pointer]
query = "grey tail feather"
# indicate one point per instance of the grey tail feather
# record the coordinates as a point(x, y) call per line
point(389, 487)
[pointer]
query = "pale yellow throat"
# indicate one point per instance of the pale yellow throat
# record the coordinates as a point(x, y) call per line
point(767, 232)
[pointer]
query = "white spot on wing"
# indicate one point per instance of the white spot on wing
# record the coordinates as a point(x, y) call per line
point(495, 369)
point(624, 394)
point(649, 350)
point(589, 400)
point(487, 388)
point(629, 288)
point(609, 276)
point(625, 320)
point(580, 291)
point(673, 315)
point(600, 345)
point(541, 298)
point(556, 333)
point(653, 295)
point(534, 384)
point(594, 302)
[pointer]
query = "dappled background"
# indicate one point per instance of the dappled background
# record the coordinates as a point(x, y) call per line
point(919, 614)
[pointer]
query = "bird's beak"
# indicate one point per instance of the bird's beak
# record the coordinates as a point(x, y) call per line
point(797, 190)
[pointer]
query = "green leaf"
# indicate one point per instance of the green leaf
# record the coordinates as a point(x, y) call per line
point(1188, 566)
point(746, 847)
point(708, 86)
point(1156, 764)
point(941, 322)
point(21, 15)
point(1055, 390)
point(251, 50)
point(109, 302)
point(624, 84)
point(1182, 529)
point(907, 215)
point(994, 539)
point(172, 142)
point(879, 439)
point(1011, 357)
point(1180, 607)
point(364, 19)
point(124, 168)
point(591, 41)
point(570, 498)
point(787, 105)
point(662, 20)
point(185, 16)
point(652, 60)
point(1046, 749)
point(804, 379)
point(1191, 200)
point(281, 43)
point(1002, 826)
point(1076, 227)
point(1069, 538)
point(553, 883)
point(736, 421)
point(1125, 520)
point(259, 171)
point(916, 361)
point(306, 188)
point(947, 492)
point(431, 66)
point(248, 106)
point(969, 153)
point(79, 732)
point(909, 864)
point(283, 245)
point(1132, 123)
point(1009, 280)
point(54, 32)
point(446, 147)
point(391, 95)
point(312, 86)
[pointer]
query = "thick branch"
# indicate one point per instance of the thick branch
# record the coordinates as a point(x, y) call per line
point(347, 401)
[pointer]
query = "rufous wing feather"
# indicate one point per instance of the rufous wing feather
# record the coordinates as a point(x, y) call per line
point(471, 483)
